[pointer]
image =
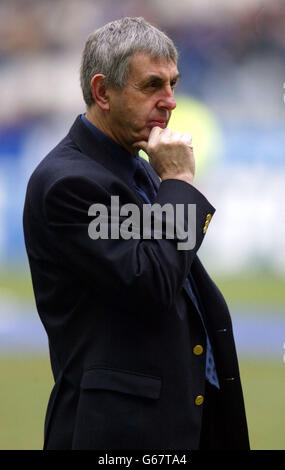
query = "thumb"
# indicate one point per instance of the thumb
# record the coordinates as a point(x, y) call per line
point(141, 145)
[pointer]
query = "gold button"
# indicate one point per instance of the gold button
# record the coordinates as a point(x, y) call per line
point(198, 350)
point(199, 400)
point(205, 228)
point(208, 218)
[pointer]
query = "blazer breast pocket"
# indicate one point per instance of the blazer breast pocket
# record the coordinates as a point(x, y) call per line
point(117, 409)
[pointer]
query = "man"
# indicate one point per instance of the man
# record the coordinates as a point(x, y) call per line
point(140, 337)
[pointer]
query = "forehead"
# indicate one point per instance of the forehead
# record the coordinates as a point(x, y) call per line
point(143, 65)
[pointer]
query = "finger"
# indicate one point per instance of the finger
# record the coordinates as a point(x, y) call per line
point(166, 134)
point(187, 137)
point(167, 130)
point(154, 134)
point(176, 137)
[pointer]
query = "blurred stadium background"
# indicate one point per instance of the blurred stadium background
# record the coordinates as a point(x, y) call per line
point(231, 98)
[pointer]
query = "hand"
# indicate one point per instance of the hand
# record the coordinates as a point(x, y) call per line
point(170, 154)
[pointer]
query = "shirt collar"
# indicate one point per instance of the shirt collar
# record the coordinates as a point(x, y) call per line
point(127, 162)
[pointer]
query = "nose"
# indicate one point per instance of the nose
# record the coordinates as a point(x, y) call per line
point(167, 100)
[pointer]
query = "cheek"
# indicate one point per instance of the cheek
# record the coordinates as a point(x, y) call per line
point(132, 114)
point(135, 117)
point(140, 113)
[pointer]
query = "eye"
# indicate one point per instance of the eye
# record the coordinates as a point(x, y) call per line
point(153, 84)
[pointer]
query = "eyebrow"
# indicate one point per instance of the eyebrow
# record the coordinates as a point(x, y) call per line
point(158, 78)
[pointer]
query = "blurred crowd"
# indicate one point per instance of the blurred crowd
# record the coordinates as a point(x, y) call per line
point(45, 38)
point(237, 29)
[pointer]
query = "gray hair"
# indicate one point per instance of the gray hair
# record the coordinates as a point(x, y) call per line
point(109, 49)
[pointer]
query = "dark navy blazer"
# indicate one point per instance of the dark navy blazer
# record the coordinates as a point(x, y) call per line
point(121, 326)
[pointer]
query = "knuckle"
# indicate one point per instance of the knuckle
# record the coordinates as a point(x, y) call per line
point(177, 136)
point(187, 136)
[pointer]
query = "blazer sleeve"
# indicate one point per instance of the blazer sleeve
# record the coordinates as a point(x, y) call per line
point(139, 270)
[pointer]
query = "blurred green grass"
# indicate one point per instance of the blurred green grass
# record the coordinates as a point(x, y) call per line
point(24, 391)
point(26, 384)
point(263, 387)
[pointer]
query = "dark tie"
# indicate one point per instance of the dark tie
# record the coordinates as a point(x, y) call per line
point(143, 183)
point(147, 191)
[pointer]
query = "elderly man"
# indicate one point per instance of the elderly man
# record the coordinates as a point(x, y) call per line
point(140, 338)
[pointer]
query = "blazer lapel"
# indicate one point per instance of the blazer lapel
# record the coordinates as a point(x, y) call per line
point(89, 145)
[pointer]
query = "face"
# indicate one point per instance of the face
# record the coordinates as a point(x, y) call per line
point(146, 101)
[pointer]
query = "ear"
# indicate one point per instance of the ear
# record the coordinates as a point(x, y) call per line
point(99, 91)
